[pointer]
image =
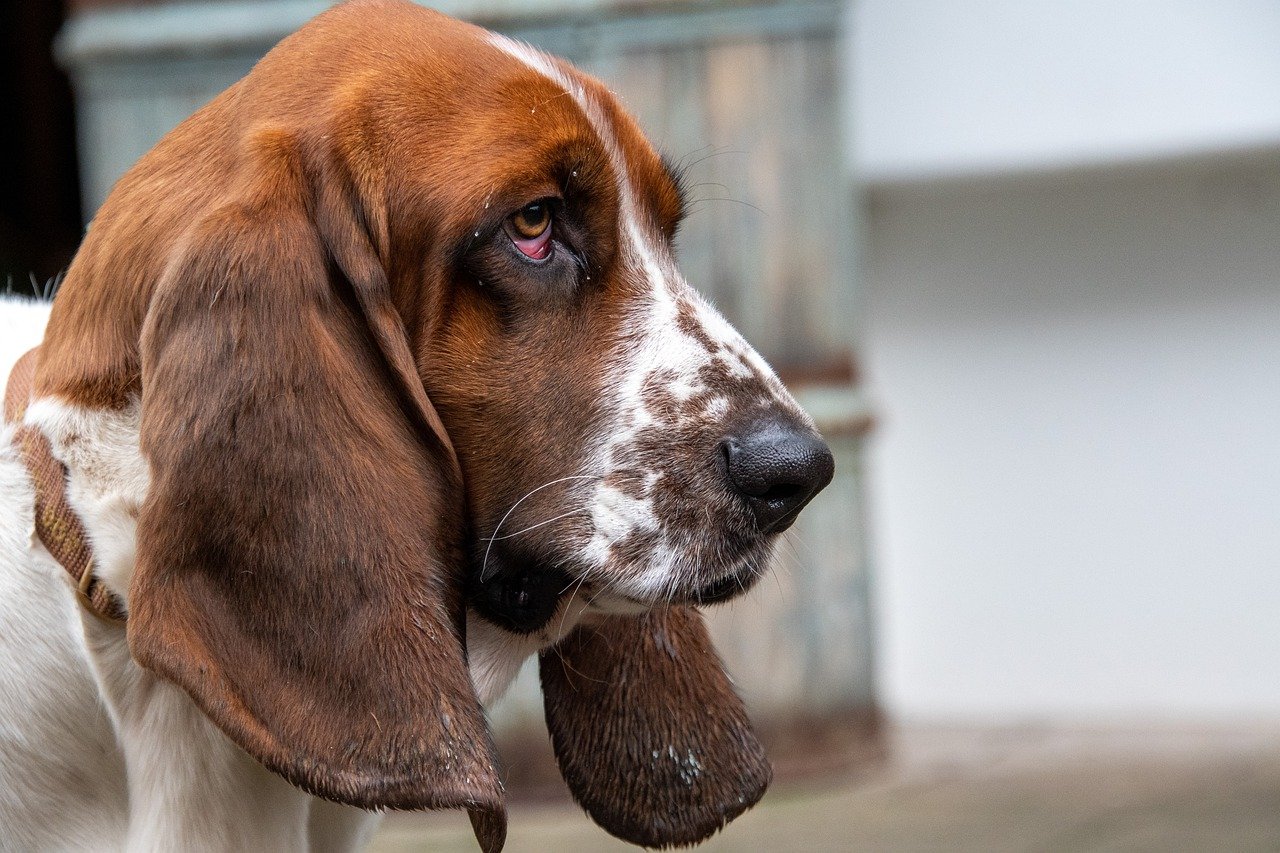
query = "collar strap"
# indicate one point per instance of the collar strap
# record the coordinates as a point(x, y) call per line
point(57, 525)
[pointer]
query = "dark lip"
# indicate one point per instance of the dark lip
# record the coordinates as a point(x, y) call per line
point(726, 588)
point(524, 591)
point(783, 524)
point(522, 598)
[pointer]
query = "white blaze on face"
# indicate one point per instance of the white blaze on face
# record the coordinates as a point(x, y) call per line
point(654, 347)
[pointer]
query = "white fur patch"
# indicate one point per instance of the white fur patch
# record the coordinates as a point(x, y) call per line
point(60, 761)
point(495, 655)
point(62, 779)
point(107, 478)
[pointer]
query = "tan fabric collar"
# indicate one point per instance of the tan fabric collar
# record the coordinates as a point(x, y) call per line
point(57, 525)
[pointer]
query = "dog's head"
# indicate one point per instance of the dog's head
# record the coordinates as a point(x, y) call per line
point(413, 339)
point(614, 431)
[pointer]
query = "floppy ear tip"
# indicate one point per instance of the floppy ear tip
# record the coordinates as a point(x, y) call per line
point(650, 737)
point(687, 830)
point(378, 791)
point(490, 828)
point(731, 794)
point(366, 774)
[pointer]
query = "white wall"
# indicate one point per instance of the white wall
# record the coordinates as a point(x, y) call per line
point(1073, 343)
point(947, 86)
point(1076, 478)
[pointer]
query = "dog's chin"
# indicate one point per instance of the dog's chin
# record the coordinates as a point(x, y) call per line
point(520, 594)
point(727, 588)
point(704, 587)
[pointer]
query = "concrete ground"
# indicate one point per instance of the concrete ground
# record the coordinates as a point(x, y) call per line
point(972, 789)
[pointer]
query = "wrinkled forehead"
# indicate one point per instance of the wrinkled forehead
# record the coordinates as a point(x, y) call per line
point(649, 200)
point(539, 116)
point(687, 331)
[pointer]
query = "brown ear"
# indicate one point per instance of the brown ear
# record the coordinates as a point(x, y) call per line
point(647, 729)
point(300, 544)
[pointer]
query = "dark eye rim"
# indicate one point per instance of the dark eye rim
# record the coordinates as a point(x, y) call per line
point(489, 244)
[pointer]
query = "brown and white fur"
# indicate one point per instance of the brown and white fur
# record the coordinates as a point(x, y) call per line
point(348, 459)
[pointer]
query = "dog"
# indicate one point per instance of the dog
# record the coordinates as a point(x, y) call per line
point(374, 378)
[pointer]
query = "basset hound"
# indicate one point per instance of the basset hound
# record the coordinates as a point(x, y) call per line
point(372, 379)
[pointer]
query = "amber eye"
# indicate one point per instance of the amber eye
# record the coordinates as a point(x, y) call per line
point(530, 229)
point(532, 220)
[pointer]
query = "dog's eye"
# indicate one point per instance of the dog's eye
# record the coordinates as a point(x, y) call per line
point(532, 220)
point(530, 229)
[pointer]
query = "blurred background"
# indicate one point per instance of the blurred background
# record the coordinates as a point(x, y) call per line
point(1022, 263)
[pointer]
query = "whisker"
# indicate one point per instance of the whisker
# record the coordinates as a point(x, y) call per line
point(705, 157)
point(792, 538)
point(603, 589)
point(672, 585)
point(484, 564)
point(616, 475)
point(578, 583)
point(699, 201)
point(779, 566)
point(539, 524)
point(565, 614)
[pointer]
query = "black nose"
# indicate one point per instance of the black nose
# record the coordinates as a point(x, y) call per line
point(778, 468)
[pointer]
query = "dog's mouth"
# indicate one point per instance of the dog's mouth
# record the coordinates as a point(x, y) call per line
point(522, 599)
point(525, 594)
point(728, 587)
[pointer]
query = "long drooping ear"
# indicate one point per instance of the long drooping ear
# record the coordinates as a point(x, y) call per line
point(647, 729)
point(300, 546)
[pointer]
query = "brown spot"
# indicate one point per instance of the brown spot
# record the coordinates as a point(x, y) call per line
point(687, 322)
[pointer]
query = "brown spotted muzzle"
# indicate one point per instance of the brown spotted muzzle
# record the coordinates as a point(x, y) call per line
point(778, 467)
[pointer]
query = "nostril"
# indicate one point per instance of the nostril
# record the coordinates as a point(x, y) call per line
point(780, 492)
point(727, 452)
